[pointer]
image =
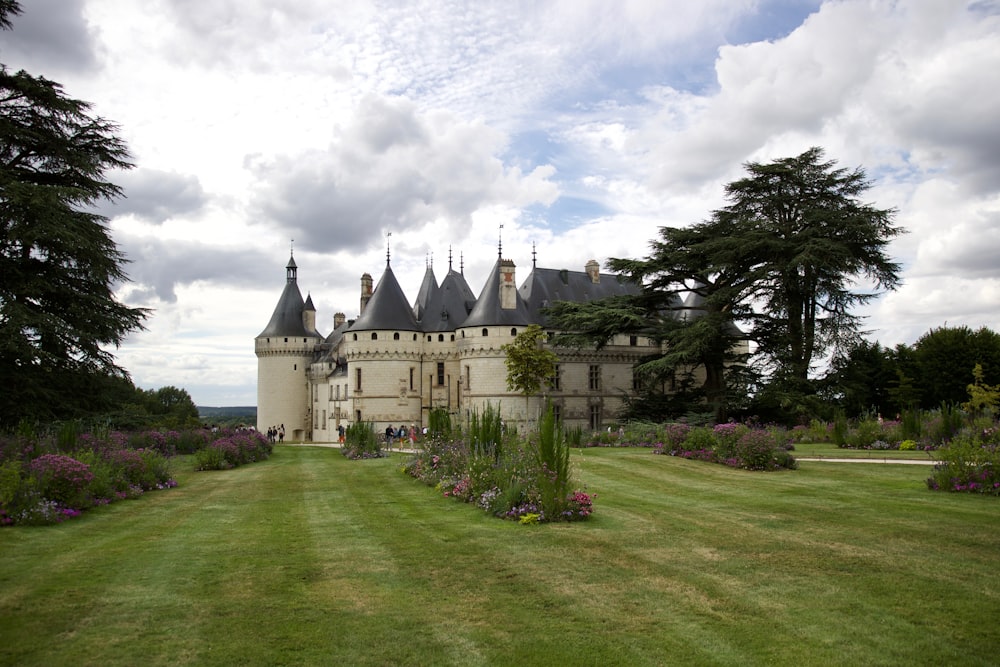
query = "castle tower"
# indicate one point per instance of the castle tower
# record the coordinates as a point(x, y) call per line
point(284, 351)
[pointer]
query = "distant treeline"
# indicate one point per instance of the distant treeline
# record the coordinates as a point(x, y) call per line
point(237, 413)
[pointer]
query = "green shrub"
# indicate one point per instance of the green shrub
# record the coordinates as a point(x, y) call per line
point(62, 479)
point(967, 464)
point(864, 435)
point(211, 458)
point(361, 442)
point(700, 437)
point(551, 466)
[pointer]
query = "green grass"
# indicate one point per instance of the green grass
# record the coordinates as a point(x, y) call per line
point(830, 451)
point(309, 558)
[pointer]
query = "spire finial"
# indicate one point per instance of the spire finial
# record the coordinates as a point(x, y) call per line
point(500, 242)
point(534, 256)
point(461, 263)
point(291, 248)
point(449, 258)
point(387, 255)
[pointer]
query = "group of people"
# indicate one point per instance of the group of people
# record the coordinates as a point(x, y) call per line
point(276, 434)
point(402, 434)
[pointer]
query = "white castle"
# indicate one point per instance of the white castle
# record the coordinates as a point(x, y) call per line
point(397, 361)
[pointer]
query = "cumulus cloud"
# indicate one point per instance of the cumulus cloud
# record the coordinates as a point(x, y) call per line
point(158, 267)
point(49, 38)
point(157, 196)
point(392, 168)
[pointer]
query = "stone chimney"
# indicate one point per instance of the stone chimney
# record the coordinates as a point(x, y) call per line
point(366, 290)
point(508, 288)
point(593, 270)
point(338, 319)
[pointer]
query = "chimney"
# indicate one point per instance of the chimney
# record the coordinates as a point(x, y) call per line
point(593, 270)
point(338, 319)
point(366, 290)
point(508, 289)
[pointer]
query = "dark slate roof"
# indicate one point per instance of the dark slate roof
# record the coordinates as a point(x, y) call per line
point(450, 305)
point(428, 288)
point(694, 307)
point(546, 286)
point(331, 345)
point(287, 317)
point(388, 307)
point(487, 311)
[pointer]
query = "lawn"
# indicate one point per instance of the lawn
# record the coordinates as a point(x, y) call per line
point(309, 558)
point(828, 450)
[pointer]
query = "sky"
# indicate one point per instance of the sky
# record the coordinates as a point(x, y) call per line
point(574, 129)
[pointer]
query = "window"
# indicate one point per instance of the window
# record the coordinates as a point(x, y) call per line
point(486, 332)
point(324, 419)
point(395, 336)
point(357, 379)
point(374, 336)
point(595, 377)
point(440, 373)
point(633, 340)
point(595, 417)
point(554, 381)
point(468, 378)
point(411, 379)
point(440, 338)
point(513, 332)
point(557, 412)
point(636, 382)
point(336, 391)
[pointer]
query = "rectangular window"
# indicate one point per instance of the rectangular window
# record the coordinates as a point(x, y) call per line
point(555, 381)
point(324, 419)
point(440, 373)
point(595, 377)
point(595, 417)
point(633, 340)
point(557, 412)
point(636, 382)
point(357, 379)
point(468, 378)
point(411, 379)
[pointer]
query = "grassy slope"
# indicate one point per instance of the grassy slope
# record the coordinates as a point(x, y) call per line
point(312, 559)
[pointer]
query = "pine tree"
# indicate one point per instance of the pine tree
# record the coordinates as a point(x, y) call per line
point(58, 262)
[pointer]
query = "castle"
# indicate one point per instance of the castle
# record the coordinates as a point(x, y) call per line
point(397, 361)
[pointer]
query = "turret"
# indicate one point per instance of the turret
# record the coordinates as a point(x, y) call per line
point(284, 350)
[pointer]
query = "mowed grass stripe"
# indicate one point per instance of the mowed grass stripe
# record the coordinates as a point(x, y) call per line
point(312, 559)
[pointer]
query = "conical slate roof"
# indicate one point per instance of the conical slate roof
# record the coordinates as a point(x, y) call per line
point(451, 304)
point(487, 311)
point(286, 320)
point(388, 307)
point(428, 288)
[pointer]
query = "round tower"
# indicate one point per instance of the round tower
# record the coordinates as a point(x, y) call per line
point(284, 350)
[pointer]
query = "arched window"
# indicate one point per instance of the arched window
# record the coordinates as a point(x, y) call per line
point(355, 336)
point(414, 337)
point(440, 338)
point(395, 336)
point(453, 338)
point(374, 336)
point(486, 332)
point(513, 332)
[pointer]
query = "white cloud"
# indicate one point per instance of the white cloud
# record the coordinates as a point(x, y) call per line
point(582, 126)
